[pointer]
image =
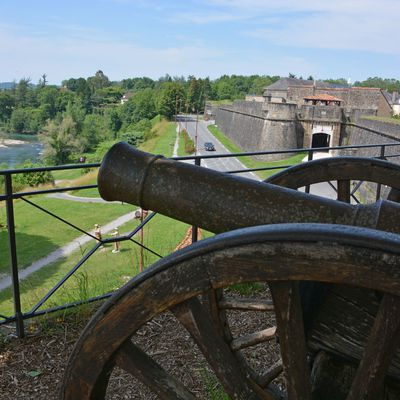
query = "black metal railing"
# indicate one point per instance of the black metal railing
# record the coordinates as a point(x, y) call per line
point(383, 151)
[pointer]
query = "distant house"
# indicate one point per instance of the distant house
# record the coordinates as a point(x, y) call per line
point(254, 97)
point(126, 96)
point(296, 91)
point(322, 100)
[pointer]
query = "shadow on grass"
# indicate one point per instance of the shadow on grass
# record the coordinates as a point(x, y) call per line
point(27, 249)
point(103, 272)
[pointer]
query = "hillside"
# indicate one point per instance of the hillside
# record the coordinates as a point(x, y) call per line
point(6, 85)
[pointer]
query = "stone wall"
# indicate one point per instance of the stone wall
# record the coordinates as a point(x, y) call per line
point(366, 131)
point(244, 129)
point(260, 126)
point(321, 113)
point(256, 126)
point(353, 97)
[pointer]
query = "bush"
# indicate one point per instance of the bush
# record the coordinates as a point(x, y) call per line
point(133, 138)
point(189, 144)
point(32, 178)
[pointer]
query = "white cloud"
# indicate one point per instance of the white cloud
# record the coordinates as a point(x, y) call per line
point(348, 25)
point(62, 58)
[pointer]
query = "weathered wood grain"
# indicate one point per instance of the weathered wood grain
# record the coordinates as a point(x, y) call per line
point(196, 320)
point(246, 304)
point(135, 361)
point(292, 339)
point(253, 338)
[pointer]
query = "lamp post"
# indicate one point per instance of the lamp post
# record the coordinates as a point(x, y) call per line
point(186, 118)
point(195, 135)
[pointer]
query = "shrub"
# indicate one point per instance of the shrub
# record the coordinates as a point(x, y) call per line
point(133, 138)
point(32, 178)
point(189, 144)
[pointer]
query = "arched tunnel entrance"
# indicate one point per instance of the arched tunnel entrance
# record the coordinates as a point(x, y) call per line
point(320, 140)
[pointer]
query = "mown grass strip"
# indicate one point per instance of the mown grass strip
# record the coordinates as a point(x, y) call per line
point(249, 162)
point(103, 272)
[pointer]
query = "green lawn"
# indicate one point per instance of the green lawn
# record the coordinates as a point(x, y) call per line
point(249, 162)
point(389, 120)
point(164, 141)
point(67, 174)
point(37, 233)
point(90, 193)
point(101, 273)
point(183, 138)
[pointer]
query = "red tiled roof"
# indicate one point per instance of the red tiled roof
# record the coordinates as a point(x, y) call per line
point(322, 97)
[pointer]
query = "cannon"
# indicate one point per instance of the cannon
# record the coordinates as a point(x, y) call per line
point(331, 271)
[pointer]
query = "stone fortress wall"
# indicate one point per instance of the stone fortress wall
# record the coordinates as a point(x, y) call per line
point(256, 126)
point(289, 124)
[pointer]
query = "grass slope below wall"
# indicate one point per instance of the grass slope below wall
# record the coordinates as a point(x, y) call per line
point(249, 162)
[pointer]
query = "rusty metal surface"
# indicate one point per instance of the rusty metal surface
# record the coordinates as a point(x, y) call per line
point(338, 168)
point(220, 202)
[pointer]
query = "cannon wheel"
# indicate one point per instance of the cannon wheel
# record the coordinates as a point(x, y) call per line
point(343, 170)
point(282, 255)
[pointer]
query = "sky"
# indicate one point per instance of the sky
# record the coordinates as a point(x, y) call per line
point(351, 39)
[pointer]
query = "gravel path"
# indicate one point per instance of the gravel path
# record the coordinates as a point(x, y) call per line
point(66, 196)
point(65, 250)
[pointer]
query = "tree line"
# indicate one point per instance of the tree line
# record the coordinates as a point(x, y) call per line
point(81, 114)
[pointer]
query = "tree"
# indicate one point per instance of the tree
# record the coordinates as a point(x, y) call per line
point(194, 94)
point(21, 92)
point(168, 97)
point(32, 178)
point(7, 102)
point(115, 121)
point(93, 131)
point(43, 80)
point(260, 83)
point(60, 141)
point(98, 81)
point(143, 105)
point(47, 98)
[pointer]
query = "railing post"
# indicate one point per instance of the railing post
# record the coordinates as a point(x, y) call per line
point(310, 157)
point(13, 254)
point(378, 185)
point(197, 161)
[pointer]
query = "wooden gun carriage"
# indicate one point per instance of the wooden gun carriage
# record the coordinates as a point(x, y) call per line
point(332, 271)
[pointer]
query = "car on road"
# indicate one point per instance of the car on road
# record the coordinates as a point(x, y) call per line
point(208, 146)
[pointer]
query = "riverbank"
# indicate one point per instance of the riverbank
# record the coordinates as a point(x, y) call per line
point(10, 142)
point(15, 149)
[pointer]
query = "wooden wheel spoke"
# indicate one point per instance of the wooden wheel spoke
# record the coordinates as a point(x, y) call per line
point(135, 361)
point(292, 339)
point(211, 300)
point(253, 338)
point(197, 321)
point(246, 304)
point(273, 372)
point(343, 190)
point(381, 345)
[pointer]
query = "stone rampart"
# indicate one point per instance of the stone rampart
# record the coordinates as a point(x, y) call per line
point(321, 113)
point(367, 131)
point(260, 127)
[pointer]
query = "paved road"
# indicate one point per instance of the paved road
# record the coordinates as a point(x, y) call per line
point(199, 133)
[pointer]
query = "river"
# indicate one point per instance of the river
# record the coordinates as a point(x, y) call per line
point(14, 154)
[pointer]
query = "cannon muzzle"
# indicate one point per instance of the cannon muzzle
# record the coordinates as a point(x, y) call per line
point(221, 202)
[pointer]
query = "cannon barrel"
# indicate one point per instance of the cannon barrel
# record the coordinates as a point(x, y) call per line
point(220, 202)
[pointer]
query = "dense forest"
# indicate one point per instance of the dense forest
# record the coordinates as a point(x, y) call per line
point(83, 114)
